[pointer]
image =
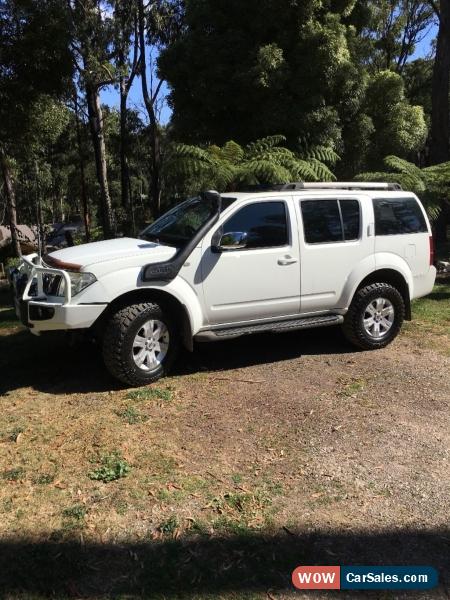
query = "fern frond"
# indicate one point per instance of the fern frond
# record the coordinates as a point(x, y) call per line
point(322, 172)
point(262, 171)
point(263, 144)
point(232, 152)
point(323, 154)
point(402, 166)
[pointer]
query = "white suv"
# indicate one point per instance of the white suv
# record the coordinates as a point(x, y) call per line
point(290, 257)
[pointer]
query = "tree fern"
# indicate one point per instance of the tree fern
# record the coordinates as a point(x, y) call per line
point(432, 183)
point(264, 161)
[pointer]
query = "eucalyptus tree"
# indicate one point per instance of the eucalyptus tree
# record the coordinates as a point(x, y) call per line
point(34, 63)
point(92, 30)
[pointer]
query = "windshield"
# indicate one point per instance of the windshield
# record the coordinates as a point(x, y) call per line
point(178, 226)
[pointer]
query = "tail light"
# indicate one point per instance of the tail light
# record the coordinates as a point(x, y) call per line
point(431, 250)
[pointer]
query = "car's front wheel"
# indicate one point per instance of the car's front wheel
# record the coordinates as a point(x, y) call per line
point(375, 316)
point(140, 343)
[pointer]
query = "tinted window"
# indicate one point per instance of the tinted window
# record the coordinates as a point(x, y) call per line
point(321, 221)
point(350, 218)
point(399, 215)
point(180, 224)
point(264, 222)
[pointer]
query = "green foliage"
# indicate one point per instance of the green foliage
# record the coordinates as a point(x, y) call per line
point(431, 183)
point(261, 162)
point(255, 69)
point(13, 474)
point(169, 526)
point(151, 393)
point(112, 466)
point(398, 127)
point(77, 512)
point(131, 415)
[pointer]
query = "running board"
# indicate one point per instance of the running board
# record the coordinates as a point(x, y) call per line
point(274, 327)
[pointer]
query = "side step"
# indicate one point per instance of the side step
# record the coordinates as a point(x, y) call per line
point(274, 327)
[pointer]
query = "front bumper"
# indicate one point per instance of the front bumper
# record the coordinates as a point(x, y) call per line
point(40, 312)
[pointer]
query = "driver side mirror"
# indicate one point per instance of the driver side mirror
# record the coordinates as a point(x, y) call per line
point(234, 240)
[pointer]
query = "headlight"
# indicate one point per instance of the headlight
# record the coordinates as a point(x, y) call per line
point(78, 282)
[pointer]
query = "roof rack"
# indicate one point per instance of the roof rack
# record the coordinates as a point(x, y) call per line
point(342, 185)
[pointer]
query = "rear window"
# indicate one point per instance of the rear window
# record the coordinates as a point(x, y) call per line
point(395, 216)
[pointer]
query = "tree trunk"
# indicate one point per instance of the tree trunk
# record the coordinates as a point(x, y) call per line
point(10, 202)
point(84, 200)
point(149, 101)
point(98, 141)
point(440, 122)
point(124, 174)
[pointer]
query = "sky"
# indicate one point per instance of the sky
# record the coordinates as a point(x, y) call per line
point(110, 94)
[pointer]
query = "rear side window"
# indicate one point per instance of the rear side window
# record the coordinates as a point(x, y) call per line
point(395, 216)
point(330, 220)
point(264, 222)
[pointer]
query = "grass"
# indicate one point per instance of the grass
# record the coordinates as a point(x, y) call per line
point(14, 474)
point(351, 389)
point(131, 416)
point(151, 393)
point(8, 318)
point(111, 467)
point(432, 314)
point(169, 526)
point(11, 435)
point(201, 473)
point(435, 308)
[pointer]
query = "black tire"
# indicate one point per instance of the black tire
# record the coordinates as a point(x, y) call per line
point(119, 339)
point(354, 326)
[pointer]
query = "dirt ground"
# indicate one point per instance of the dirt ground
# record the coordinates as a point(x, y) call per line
point(256, 455)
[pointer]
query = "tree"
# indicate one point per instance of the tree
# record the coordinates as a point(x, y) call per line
point(92, 34)
point(440, 119)
point(189, 169)
point(432, 183)
point(394, 29)
point(126, 43)
point(245, 70)
point(37, 29)
point(158, 25)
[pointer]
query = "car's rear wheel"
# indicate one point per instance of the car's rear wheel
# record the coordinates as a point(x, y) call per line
point(375, 316)
point(140, 343)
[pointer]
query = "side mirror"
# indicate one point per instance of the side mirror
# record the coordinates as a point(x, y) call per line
point(234, 240)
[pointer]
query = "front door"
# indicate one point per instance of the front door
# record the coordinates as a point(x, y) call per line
point(261, 280)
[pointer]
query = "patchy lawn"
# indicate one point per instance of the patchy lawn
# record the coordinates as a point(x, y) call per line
point(255, 456)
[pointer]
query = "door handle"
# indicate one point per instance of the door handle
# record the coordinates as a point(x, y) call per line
point(287, 260)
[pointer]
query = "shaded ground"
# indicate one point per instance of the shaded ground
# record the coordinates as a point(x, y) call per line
point(256, 456)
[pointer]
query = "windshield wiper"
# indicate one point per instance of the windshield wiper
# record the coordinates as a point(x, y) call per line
point(154, 237)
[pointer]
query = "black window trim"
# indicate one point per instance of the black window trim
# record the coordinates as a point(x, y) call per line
point(338, 200)
point(260, 201)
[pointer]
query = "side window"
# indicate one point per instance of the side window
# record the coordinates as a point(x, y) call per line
point(330, 220)
point(350, 218)
point(398, 215)
point(321, 221)
point(264, 222)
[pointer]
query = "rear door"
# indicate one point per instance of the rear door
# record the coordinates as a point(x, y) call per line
point(334, 239)
point(401, 229)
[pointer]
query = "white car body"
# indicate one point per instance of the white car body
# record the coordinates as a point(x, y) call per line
point(350, 254)
point(242, 287)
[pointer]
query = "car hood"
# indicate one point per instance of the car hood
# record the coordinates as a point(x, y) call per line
point(109, 251)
